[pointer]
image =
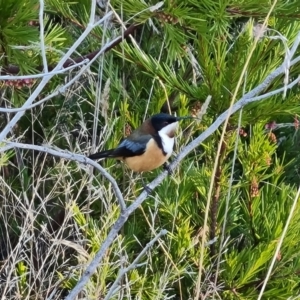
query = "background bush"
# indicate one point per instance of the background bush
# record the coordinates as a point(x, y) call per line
point(56, 213)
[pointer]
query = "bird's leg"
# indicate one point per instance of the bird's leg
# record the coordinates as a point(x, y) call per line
point(146, 187)
point(167, 168)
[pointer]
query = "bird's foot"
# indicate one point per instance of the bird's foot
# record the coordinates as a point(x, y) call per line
point(167, 168)
point(147, 189)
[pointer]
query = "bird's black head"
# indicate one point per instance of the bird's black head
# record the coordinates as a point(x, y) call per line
point(160, 121)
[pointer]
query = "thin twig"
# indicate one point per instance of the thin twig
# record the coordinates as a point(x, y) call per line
point(228, 198)
point(292, 211)
point(133, 265)
point(70, 156)
point(92, 14)
point(46, 79)
point(41, 75)
point(42, 40)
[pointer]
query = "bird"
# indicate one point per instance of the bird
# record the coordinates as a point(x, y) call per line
point(147, 147)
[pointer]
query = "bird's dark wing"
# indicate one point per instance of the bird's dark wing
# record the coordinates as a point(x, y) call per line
point(132, 146)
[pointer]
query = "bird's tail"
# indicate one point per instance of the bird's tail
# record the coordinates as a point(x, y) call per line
point(103, 154)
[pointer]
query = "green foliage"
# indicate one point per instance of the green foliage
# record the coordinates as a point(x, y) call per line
point(16, 31)
point(22, 281)
point(55, 214)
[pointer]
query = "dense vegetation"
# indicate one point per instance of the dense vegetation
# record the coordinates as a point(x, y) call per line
point(230, 209)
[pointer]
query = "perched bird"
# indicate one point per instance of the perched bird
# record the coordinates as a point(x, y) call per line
point(149, 146)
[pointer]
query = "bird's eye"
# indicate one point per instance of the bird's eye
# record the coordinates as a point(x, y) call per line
point(166, 123)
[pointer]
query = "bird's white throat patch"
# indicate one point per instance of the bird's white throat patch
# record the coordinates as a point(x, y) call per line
point(167, 141)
